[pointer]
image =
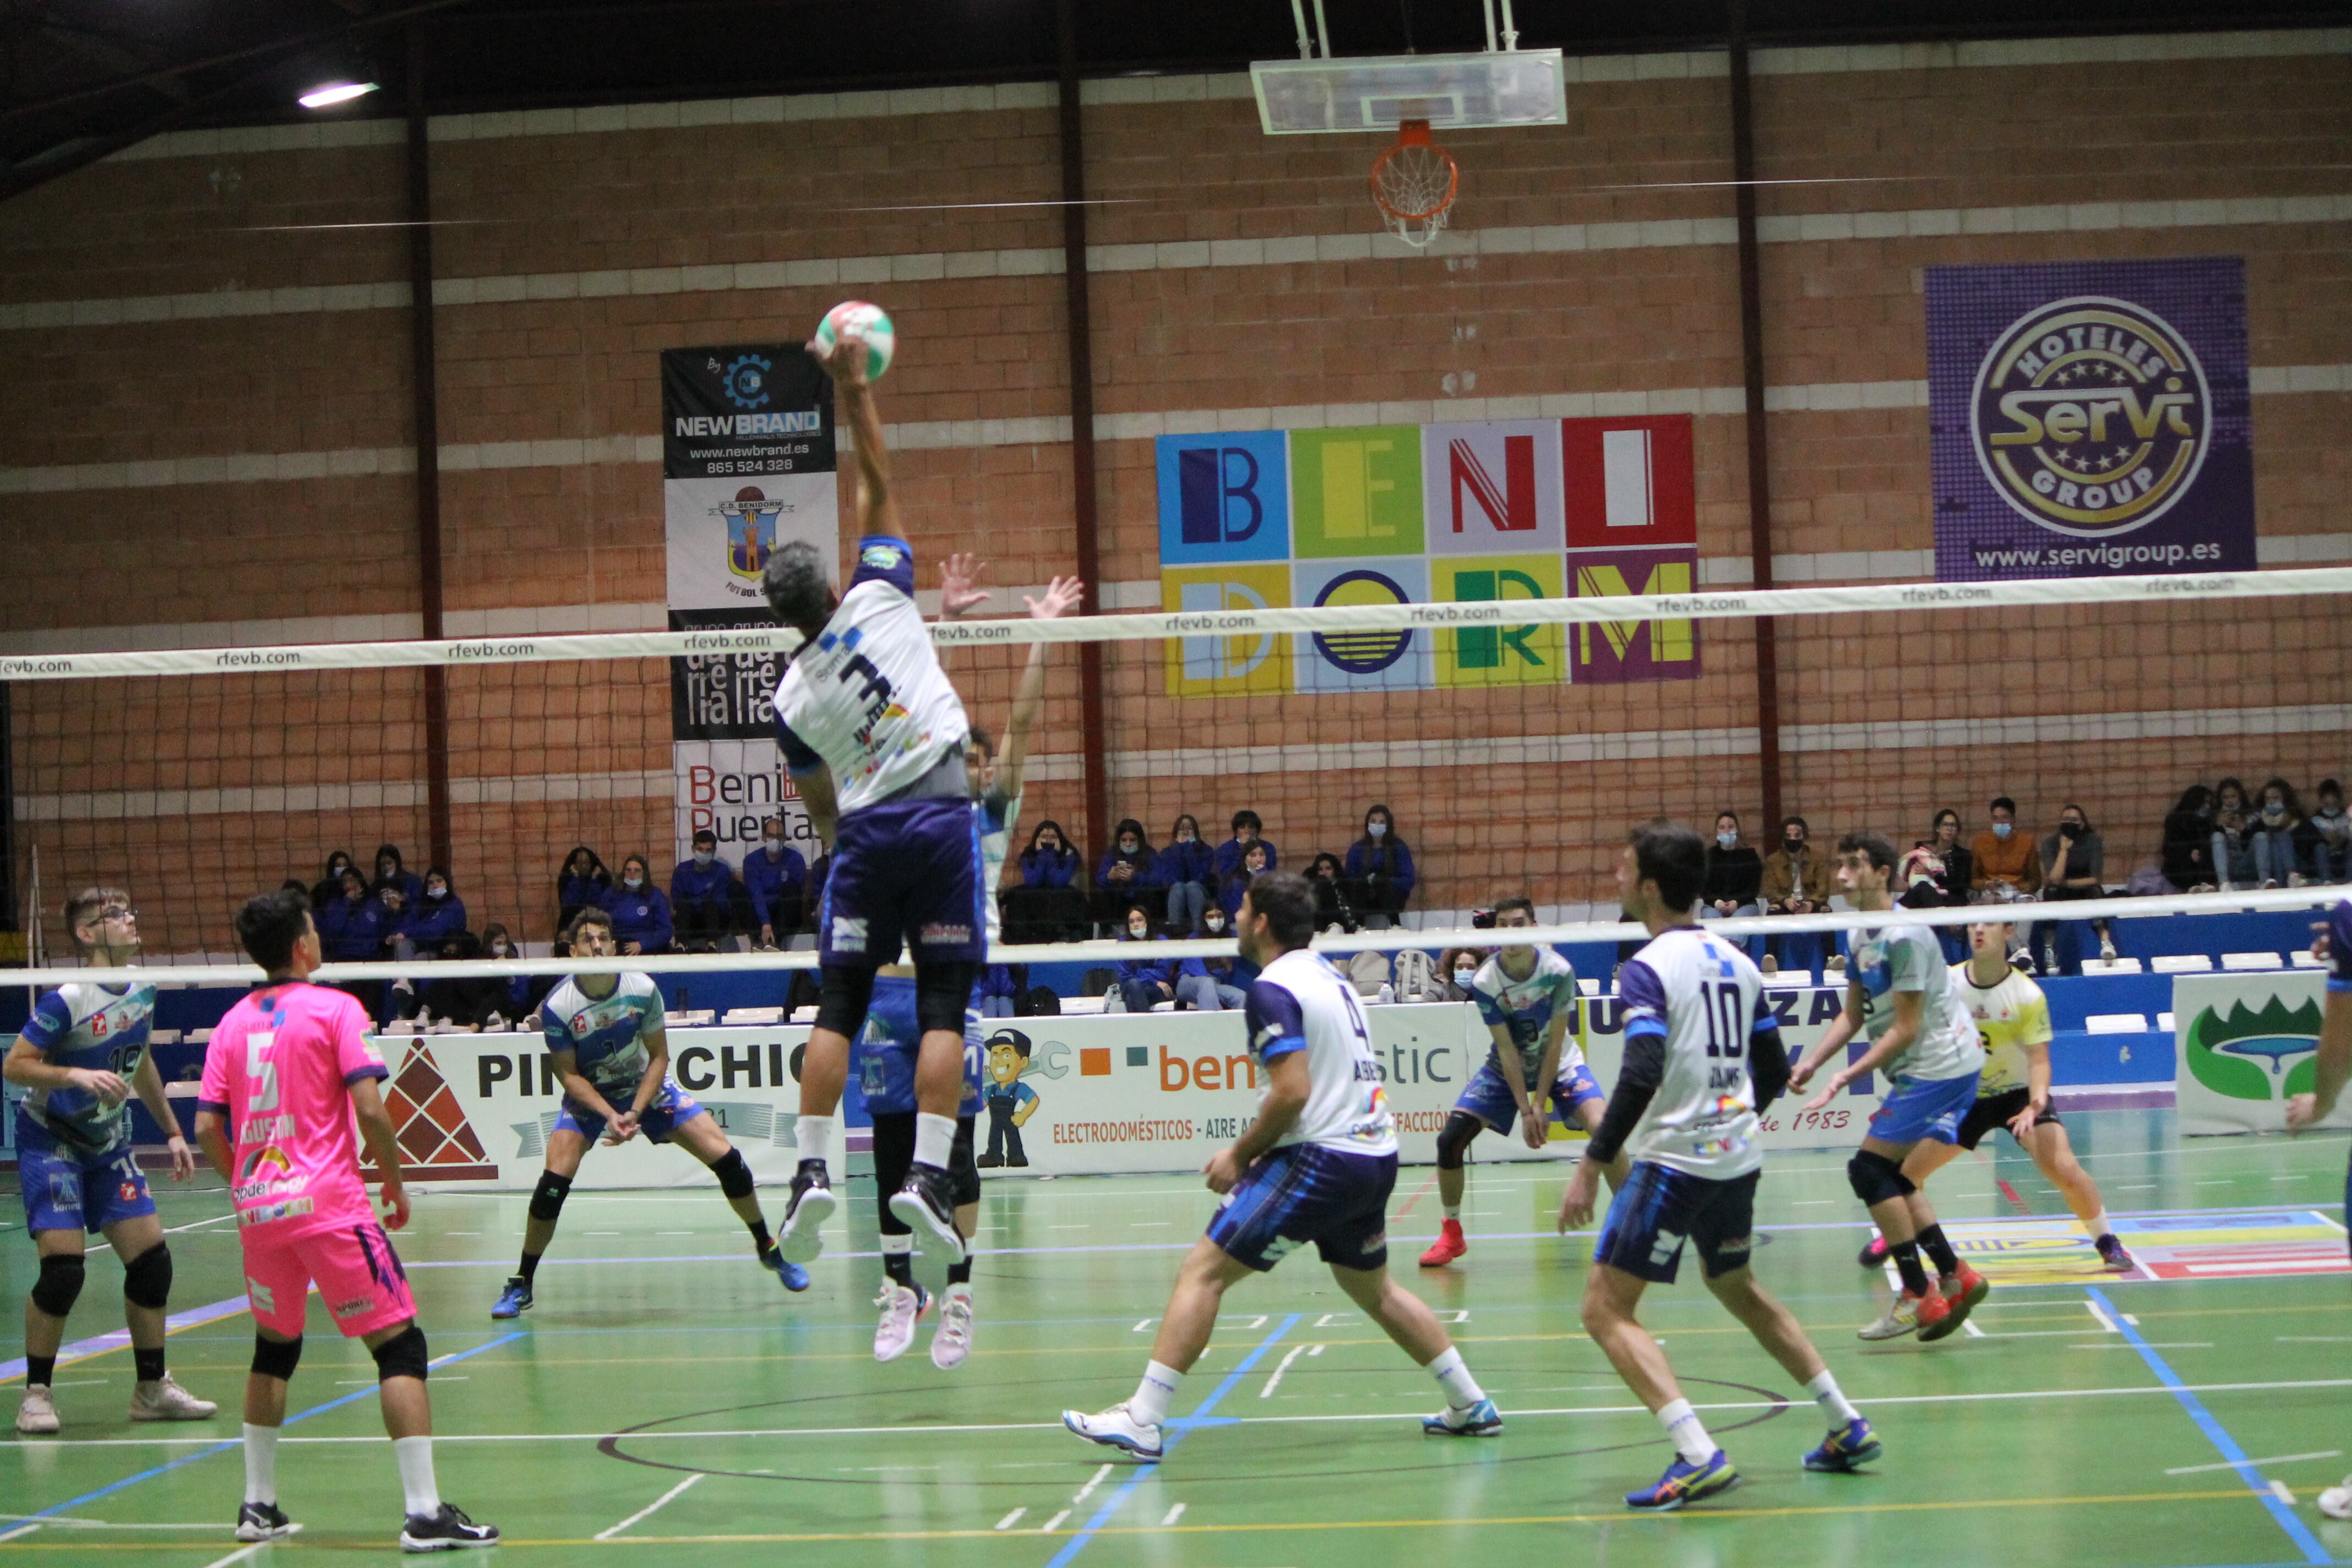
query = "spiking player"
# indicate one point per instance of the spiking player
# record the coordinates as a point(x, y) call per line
point(288, 1072)
point(873, 733)
point(1703, 1059)
point(1316, 1165)
point(81, 1056)
point(1922, 1038)
point(2013, 1024)
point(1527, 997)
point(885, 1054)
point(2333, 1064)
point(606, 1039)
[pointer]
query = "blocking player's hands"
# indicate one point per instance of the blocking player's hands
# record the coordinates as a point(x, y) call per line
point(1224, 1171)
point(621, 1127)
point(1532, 1127)
point(960, 588)
point(1063, 595)
point(1576, 1205)
point(395, 1203)
point(110, 1087)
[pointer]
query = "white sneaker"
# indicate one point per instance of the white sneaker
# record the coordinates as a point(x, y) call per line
point(37, 1416)
point(1116, 1429)
point(2106, 950)
point(2336, 1502)
point(902, 1307)
point(952, 1340)
point(1901, 1317)
point(165, 1400)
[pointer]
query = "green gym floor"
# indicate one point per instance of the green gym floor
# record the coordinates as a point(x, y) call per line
point(665, 1397)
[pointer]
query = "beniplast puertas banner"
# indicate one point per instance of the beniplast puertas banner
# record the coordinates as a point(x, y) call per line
point(2090, 418)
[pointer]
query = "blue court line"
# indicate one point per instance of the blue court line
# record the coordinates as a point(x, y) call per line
point(1200, 1417)
point(2218, 1436)
point(238, 1442)
point(98, 1345)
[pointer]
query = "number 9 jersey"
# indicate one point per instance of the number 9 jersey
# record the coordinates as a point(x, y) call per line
point(1705, 1001)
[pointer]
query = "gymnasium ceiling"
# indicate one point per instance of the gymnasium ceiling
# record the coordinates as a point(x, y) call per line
point(79, 78)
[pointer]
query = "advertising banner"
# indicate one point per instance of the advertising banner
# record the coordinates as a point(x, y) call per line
point(2248, 1044)
point(2090, 419)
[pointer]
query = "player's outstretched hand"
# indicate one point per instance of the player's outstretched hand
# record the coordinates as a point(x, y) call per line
point(1576, 1205)
point(1063, 595)
point(1223, 1172)
point(846, 361)
point(110, 1087)
point(184, 1159)
point(960, 588)
point(2301, 1111)
point(1828, 1092)
point(395, 1204)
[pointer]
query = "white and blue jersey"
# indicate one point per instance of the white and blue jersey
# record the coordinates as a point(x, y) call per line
point(1896, 959)
point(605, 1035)
point(1527, 1007)
point(1701, 998)
point(92, 1027)
point(883, 1056)
point(998, 812)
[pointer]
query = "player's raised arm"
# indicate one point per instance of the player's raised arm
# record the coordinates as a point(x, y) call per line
point(878, 510)
point(1062, 596)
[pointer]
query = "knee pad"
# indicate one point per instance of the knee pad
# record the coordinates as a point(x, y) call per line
point(734, 1176)
point(1455, 1137)
point(844, 994)
point(402, 1355)
point(277, 1358)
point(1876, 1178)
point(147, 1279)
point(61, 1282)
point(547, 1199)
point(944, 995)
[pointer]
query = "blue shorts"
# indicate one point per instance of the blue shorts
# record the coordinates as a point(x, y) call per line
point(883, 1055)
point(906, 872)
point(1488, 1098)
point(1924, 1108)
point(1305, 1193)
point(67, 1188)
point(1659, 1208)
point(670, 1109)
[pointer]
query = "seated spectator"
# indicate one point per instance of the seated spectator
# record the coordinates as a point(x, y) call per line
point(1126, 874)
point(998, 993)
point(390, 868)
point(2233, 837)
point(2073, 866)
point(1255, 861)
point(1735, 872)
point(584, 883)
point(518, 995)
point(2186, 857)
point(2007, 870)
point(1797, 880)
point(2277, 819)
point(392, 897)
point(1936, 874)
point(1188, 870)
point(329, 888)
point(438, 916)
point(641, 917)
point(467, 1004)
point(2326, 837)
point(350, 930)
point(1378, 870)
point(1456, 968)
point(706, 904)
point(1325, 878)
point(1046, 906)
point(1143, 983)
point(1229, 976)
point(1049, 861)
point(1248, 830)
point(773, 878)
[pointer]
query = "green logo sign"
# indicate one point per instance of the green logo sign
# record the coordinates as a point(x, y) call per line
point(2242, 1054)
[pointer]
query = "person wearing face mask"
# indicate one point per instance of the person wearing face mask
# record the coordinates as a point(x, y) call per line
point(1126, 874)
point(1255, 861)
point(518, 995)
point(2278, 817)
point(438, 916)
point(1456, 968)
point(641, 917)
point(2326, 841)
point(703, 894)
point(2007, 870)
point(351, 931)
point(772, 876)
point(329, 888)
point(1048, 905)
point(1734, 879)
point(1188, 869)
point(582, 884)
point(1797, 881)
point(1379, 873)
point(1227, 974)
point(2073, 866)
point(389, 868)
point(2186, 855)
point(1248, 830)
point(2233, 837)
point(1145, 983)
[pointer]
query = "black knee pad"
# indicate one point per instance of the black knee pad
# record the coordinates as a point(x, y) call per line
point(844, 994)
point(547, 1199)
point(1454, 1137)
point(59, 1284)
point(1876, 1178)
point(402, 1355)
point(943, 995)
point(147, 1279)
point(734, 1176)
point(276, 1358)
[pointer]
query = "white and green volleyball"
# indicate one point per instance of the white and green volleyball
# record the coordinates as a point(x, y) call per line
point(857, 322)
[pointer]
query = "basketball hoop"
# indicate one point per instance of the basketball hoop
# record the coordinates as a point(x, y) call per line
point(1413, 182)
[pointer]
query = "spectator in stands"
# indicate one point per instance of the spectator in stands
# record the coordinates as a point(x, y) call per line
point(2073, 866)
point(1333, 905)
point(1255, 861)
point(1049, 861)
point(440, 915)
point(1248, 830)
point(773, 874)
point(1049, 905)
point(706, 904)
point(584, 883)
point(1378, 870)
point(1188, 870)
point(2233, 837)
point(1126, 874)
point(2186, 856)
point(350, 929)
point(1936, 874)
point(467, 1004)
point(329, 888)
point(2006, 869)
point(1456, 967)
point(641, 917)
point(1143, 983)
point(518, 995)
point(1230, 976)
point(998, 991)
point(1797, 880)
point(1735, 877)
point(389, 868)
point(2277, 820)
point(392, 899)
point(2327, 837)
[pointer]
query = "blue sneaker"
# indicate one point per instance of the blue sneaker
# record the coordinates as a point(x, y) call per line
point(515, 1300)
point(794, 1277)
point(1481, 1420)
point(1685, 1483)
point(1849, 1448)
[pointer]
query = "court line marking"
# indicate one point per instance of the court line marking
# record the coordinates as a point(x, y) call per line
point(1276, 1381)
point(1098, 1479)
point(1053, 1523)
point(2218, 1436)
point(2239, 1463)
point(1009, 1519)
point(120, 1339)
point(1173, 1515)
point(239, 1555)
point(650, 1508)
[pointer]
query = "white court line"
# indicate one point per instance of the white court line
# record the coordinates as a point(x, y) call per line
point(2249, 1464)
point(2157, 1345)
point(8, 1535)
point(1049, 1526)
point(1090, 1486)
point(1968, 1327)
point(1143, 1325)
point(1173, 1515)
point(2279, 1491)
point(1276, 1381)
point(242, 1552)
point(1315, 1352)
point(650, 1508)
point(1009, 1519)
point(2105, 1322)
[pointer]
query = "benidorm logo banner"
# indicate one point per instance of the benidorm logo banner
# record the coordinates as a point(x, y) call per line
point(2090, 418)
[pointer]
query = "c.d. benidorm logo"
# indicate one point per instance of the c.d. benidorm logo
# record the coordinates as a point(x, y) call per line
point(2244, 1053)
point(2091, 415)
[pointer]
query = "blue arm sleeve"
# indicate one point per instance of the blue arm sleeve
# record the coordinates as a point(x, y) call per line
point(1276, 1027)
point(1644, 999)
point(50, 1020)
point(883, 559)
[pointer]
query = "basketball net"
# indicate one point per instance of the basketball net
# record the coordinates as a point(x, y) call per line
point(1413, 184)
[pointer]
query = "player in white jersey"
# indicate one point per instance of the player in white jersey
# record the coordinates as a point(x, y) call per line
point(1527, 998)
point(1703, 1060)
point(606, 1040)
point(873, 735)
point(2013, 1024)
point(1316, 1165)
point(1922, 1038)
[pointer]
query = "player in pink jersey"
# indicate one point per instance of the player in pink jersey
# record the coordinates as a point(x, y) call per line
point(288, 1072)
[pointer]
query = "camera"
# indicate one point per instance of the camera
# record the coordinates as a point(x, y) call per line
point(1484, 920)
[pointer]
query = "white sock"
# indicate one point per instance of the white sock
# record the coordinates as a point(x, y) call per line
point(2100, 1226)
point(1454, 1213)
point(815, 1134)
point(260, 1463)
point(1690, 1438)
point(934, 1137)
point(1159, 1384)
point(415, 1456)
point(1833, 1403)
point(1462, 1390)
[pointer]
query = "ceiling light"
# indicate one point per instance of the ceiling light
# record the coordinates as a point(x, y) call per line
point(334, 93)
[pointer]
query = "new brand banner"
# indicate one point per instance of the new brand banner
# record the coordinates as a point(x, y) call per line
point(2090, 418)
point(748, 463)
point(2248, 1044)
point(1391, 514)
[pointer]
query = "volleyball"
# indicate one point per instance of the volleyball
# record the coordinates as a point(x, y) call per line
point(869, 324)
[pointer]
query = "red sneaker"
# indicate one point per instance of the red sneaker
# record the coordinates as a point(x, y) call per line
point(1963, 1291)
point(1939, 1315)
point(1448, 1246)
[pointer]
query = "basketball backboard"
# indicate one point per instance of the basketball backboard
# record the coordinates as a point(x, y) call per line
point(1380, 92)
